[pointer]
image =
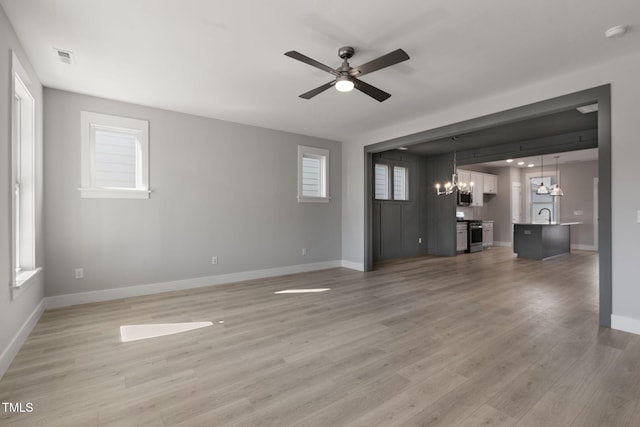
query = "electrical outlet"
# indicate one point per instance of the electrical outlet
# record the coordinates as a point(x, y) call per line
point(214, 260)
point(304, 251)
point(420, 240)
point(79, 273)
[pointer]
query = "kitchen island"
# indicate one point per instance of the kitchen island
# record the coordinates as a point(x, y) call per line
point(542, 241)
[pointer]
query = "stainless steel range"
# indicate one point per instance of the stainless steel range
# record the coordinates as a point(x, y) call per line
point(474, 236)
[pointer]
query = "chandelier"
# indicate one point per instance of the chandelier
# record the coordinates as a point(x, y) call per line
point(453, 185)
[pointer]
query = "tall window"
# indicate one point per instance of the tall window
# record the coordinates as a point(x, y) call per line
point(115, 156)
point(313, 176)
point(541, 202)
point(381, 181)
point(23, 178)
point(400, 183)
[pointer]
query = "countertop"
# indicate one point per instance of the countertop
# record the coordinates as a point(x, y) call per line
point(546, 223)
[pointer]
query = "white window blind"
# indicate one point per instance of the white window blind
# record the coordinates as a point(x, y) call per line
point(400, 183)
point(311, 176)
point(381, 182)
point(115, 160)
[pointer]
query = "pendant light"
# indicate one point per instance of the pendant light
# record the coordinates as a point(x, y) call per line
point(542, 189)
point(555, 189)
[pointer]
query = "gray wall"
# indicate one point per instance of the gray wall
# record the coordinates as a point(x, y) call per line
point(397, 225)
point(14, 313)
point(577, 183)
point(499, 207)
point(218, 189)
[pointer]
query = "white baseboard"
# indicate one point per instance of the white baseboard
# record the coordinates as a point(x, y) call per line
point(57, 301)
point(626, 324)
point(20, 337)
point(353, 265)
point(583, 247)
point(505, 244)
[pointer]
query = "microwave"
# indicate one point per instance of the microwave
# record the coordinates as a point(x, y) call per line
point(464, 198)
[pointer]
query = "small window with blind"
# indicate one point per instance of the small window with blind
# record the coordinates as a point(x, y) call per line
point(115, 157)
point(381, 181)
point(313, 174)
point(391, 182)
point(400, 183)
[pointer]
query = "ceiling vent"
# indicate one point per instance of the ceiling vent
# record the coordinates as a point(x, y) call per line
point(64, 56)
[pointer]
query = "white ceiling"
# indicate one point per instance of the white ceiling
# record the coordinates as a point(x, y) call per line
point(225, 59)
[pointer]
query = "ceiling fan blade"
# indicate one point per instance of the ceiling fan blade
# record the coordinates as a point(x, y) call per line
point(319, 89)
point(372, 91)
point(384, 61)
point(303, 58)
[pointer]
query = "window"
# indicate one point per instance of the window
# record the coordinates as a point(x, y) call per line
point(115, 156)
point(313, 176)
point(23, 178)
point(542, 201)
point(391, 182)
point(381, 182)
point(400, 183)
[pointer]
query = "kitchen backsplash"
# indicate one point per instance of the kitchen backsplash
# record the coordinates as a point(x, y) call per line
point(473, 212)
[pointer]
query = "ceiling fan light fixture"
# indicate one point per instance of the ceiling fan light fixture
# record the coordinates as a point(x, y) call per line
point(344, 84)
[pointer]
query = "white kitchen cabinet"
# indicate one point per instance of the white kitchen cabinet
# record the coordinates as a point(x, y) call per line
point(487, 233)
point(478, 183)
point(461, 236)
point(464, 177)
point(490, 184)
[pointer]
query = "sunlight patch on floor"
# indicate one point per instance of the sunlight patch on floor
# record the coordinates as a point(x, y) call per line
point(141, 332)
point(302, 291)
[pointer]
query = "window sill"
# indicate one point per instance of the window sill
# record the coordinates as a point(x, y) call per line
point(314, 199)
point(24, 279)
point(113, 193)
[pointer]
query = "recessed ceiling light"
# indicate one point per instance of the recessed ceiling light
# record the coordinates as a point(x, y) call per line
point(530, 165)
point(402, 148)
point(520, 163)
point(509, 160)
point(617, 31)
point(588, 108)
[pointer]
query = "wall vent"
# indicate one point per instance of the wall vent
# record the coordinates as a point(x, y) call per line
point(64, 56)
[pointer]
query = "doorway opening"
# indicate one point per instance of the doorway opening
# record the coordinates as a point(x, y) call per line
point(440, 233)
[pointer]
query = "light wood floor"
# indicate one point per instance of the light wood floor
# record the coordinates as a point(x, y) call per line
point(479, 339)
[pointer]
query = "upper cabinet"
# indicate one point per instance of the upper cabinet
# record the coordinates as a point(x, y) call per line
point(490, 185)
point(483, 183)
point(478, 183)
point(464, 176)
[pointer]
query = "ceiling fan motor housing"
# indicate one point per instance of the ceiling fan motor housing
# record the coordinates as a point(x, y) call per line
point(346, 52)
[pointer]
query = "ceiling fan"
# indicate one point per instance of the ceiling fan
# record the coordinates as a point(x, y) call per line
point(348, 77)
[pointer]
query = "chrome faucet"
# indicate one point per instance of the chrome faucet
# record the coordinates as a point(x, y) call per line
point(548, 210)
